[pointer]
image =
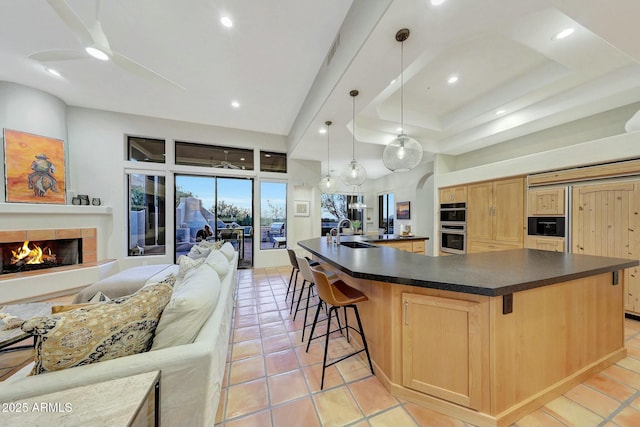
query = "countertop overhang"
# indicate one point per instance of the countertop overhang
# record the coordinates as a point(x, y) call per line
point(487, 273)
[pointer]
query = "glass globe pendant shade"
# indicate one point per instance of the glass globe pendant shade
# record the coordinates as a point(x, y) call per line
point(402, 154)
point(328, 184)
point(354, 174)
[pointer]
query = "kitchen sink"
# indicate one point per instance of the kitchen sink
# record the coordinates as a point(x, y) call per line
point(357, 245)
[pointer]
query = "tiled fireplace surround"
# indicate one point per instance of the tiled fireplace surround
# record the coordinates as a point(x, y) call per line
point(31, 285)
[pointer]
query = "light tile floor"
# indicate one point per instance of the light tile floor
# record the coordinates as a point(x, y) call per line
point(271, 381)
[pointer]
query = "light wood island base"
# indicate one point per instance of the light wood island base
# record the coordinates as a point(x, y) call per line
point(457, 353)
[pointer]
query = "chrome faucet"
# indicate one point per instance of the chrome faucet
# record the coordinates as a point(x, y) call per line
point(340, 227)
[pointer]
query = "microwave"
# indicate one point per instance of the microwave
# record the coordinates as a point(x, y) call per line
point(546, 226)
point(453, 213)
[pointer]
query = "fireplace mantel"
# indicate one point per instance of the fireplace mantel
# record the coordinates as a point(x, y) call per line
point(48, 209)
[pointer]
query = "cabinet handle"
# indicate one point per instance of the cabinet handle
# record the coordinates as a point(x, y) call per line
point(406, 312)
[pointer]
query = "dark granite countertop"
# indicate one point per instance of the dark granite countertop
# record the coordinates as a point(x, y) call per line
point(488, 273)
point(390, 238)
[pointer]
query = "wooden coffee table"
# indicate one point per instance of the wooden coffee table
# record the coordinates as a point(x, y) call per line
point(24, 311)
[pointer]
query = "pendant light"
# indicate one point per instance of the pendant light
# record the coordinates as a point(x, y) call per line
point(328, 183)
point(403, 153)
point(354, 173)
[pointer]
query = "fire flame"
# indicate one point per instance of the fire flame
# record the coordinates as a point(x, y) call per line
point(32, 256)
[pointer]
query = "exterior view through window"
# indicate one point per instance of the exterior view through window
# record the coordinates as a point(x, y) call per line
point(386, 207)
point(222, 204)
point(335, 207)
point(146, 215)
point(273, 215)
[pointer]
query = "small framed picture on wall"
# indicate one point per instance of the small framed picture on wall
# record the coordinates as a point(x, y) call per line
point(301, 208)
point(403, 210)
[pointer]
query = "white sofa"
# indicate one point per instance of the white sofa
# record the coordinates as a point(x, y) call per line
point(191, 374)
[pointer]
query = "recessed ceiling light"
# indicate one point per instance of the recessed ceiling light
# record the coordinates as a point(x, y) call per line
point(242, 159)
point(267, 155)
point(226, 21)
point(453, 79)
point(500, 112)
point(322, 131)
point(436, 2)
point(563, 34)
point(52, 72)
point(235, 104)
point(97, 53)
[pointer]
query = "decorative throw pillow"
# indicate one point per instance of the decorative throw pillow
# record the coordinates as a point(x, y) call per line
point(62, 308)
point(219, 263)
point(228, 251)
point(120, 327)
point(187, 264)
point(199, 251)
point(190, 306)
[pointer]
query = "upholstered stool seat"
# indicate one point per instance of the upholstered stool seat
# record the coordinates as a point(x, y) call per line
point(305, 265)
point(337, 294)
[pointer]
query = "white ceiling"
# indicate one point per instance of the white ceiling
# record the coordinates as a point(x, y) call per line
point(502, 51)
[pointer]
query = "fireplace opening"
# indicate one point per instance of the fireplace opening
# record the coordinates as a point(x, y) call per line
point(38, 255)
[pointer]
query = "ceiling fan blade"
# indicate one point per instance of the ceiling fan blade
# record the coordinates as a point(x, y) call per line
point(73, 21)
point(140, 70)
point(57, 55)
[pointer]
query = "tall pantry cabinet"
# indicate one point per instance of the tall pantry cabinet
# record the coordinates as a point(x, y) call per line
point(606, 222)
point(495, 215)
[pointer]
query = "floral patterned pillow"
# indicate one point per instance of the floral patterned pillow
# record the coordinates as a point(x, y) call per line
point(117, 328)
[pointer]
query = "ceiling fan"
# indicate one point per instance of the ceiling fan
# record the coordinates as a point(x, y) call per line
point(95, 43)
point(226, 164)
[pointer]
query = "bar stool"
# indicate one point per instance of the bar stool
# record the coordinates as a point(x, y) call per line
point(304, 265)
point(338, 294)
point(294, 269)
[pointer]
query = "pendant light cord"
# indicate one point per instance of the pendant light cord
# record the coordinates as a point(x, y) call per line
point(402, 87)
point(328, 143)
point(353, 134)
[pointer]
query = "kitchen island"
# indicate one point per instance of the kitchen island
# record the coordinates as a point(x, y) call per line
point(485, 337)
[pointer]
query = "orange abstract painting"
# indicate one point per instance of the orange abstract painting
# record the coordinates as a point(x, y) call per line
point(34, 168)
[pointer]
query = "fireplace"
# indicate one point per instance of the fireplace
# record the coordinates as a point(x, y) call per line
point(28, 250)
point(39, 255)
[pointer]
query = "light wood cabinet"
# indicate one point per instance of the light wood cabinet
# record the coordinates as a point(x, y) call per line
point(605, 222)
point(415, 246)
point(451, 372)
point(554, 244)
point(549, 201)
point(453, 194)
point(495, 215)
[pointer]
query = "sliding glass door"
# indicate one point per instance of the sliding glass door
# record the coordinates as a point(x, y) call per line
point(223, 204)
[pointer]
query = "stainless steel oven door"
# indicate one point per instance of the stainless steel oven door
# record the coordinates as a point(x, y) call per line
point(453, 241)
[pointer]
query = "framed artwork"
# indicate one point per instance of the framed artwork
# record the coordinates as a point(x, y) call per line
point(34, 168)
point(301, 208)
point(403, 210)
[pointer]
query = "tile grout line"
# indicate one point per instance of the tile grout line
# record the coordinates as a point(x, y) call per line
point(624, 405)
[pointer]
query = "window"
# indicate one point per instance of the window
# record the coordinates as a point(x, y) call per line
point(213, 156)
point(273, 162)
point(146, 215)
point(334, 207)
point(273, 215)
point(145, 149)
point(386, 212)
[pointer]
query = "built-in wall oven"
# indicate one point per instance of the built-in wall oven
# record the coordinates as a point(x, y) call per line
point(453, 228)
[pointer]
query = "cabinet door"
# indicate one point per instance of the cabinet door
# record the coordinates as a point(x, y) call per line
point(453, 194)
point(441, 353)
point(419, 247)
point(605, 222)
point(546, 201)
point(508, 210)
point(479, 210)
point(401, 246)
